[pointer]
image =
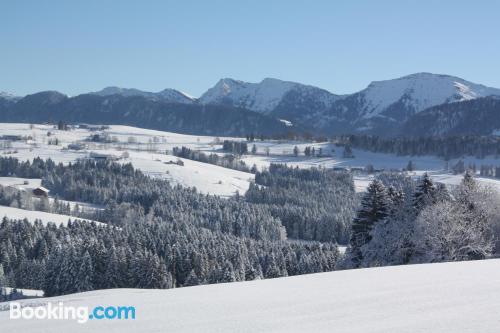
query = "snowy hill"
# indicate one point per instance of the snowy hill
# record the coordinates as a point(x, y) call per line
point(450, 297)
point(166, 95)
point(32, 215)
point(207, 178)
point(262, 97)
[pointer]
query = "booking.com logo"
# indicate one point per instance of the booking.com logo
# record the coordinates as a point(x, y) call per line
point(79, 313)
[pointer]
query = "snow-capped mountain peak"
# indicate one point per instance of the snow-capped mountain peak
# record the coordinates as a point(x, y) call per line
point(263, 97)
point(420, 91)
point(223, 88)
point(8, 96)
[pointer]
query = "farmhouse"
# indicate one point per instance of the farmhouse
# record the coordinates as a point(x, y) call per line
point(40, 192)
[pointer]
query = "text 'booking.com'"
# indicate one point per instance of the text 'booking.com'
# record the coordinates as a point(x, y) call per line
point(81, 314)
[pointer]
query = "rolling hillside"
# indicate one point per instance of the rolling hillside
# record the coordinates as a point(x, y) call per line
point(450, 297)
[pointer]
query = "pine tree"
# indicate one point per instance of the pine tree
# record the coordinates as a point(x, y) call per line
point(410, 166)
point(69, 269)
point(4, 255)
point(425, 193)
point(347, 152)
point(192, 279)
point(112, 272)
point(254, 149)
point(52, 277)
point(228, 273)
point(442, 193)
point(3, 279)
point(392, 240)
point(374, 208)
point(251, 273)
point(85, 274)
point(468, 181)
point(158, 273)
point(42, 250)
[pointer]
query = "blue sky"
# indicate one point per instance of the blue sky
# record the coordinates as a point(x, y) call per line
point(342, 46)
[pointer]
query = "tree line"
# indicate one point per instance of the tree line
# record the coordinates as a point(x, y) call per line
point(446, 147)
point(312, 204)
point(229, 161)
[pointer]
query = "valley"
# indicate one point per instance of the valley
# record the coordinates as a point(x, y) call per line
point(151, 152)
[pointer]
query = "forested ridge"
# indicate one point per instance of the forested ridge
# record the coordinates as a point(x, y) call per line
point(158, 236)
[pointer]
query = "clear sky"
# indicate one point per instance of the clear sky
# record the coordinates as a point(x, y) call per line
point(81, 46)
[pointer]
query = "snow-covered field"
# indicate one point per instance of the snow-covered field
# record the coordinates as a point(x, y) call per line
point(20, 182)
point(32, 215)
point(207, 178)
point(145, 147)
point(283, 153)
point(147, 151)
point(449, 297)
point(25, 292)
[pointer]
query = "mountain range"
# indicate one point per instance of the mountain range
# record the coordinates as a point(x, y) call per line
point(139, 111)
point(381, 108)
point(167, 95)
point(391, 107)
